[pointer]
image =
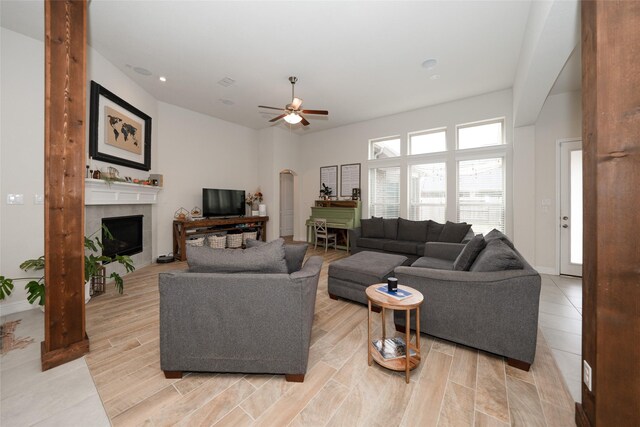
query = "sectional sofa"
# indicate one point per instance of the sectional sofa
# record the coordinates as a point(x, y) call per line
point(404, 237)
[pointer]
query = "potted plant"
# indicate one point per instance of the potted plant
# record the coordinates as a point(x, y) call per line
point(92, 264)
point(325, 191)
point(253, 200)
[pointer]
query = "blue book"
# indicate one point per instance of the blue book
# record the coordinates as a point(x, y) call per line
point(400, 294)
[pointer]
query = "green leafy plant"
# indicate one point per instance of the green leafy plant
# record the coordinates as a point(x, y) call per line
point(92, 265)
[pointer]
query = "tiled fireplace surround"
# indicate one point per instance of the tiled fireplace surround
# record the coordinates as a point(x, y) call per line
point(93, 222)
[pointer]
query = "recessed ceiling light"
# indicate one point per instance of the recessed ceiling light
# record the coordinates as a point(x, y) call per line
point(430, 64)
point(163, 79)
point(142, 71)
point(435, 77)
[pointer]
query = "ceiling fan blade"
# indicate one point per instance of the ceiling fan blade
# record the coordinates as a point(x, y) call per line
point(296, 103)
point(275, 119)
point(304, 121)
point(323, 112)
point(271, 108)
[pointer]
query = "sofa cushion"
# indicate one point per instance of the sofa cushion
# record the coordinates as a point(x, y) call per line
point(401, 246)
point(437, 263)
point(372, 228)
point(420, 249)
point(497, 256)
point(365, 268)
point(415, 231)
point(390, 228)
point(293, 253)
point(366, 242)
point(433, 231)
point(465, 260)
point(497, 234)
point(454, 232)
point(265, 259)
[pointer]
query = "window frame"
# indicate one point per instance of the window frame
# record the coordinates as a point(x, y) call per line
point(503, 138)
point(427, 132)
point(386, 138)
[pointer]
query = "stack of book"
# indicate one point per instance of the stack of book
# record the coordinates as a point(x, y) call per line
point(392, 348)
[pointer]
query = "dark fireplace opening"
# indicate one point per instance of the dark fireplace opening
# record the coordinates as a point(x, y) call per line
point(127, 235)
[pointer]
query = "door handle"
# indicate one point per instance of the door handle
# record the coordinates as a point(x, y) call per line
point(565, 218)
point(565, 226)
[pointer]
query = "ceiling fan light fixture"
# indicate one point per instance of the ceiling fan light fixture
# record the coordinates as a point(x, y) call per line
point(292, 118)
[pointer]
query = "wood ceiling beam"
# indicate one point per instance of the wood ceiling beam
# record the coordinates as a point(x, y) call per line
point(65, 98)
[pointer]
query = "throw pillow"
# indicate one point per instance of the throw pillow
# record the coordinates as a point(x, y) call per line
point(413, 231)
point(465, 260)
point(497, 234)
point(372, 228)
point(294, 256)
point(390, 228)
point(433, 231)
point(265, 259)
point(454, 232)
point(497, 256)
point(293, 253)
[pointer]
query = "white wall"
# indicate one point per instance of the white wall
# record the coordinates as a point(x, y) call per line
point(348, 144)
point(560, 118)
point(196, 151)
point(524, 189)
point(21, 158)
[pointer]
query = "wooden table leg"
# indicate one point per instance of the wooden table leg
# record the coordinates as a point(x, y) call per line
point(370, 359)
point(384, 326)
point(407, 343)
point(418, 328)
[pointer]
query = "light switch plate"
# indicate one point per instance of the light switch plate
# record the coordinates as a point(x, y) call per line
point(15, 199)
point(38, 199)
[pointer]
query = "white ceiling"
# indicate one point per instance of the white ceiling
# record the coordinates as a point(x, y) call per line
point(359, 60)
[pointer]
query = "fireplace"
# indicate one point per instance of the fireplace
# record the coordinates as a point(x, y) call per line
point(127, 235)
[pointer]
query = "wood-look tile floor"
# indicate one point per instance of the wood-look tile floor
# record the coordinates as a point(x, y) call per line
point(453, 386)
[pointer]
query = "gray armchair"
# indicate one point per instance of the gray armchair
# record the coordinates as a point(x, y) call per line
point(237, 322)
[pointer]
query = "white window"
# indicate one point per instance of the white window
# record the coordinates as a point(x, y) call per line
point(428, 141)
point(481, 193)
point(428, 192)
point(478, 135)
point(384, 192)
point(384, 148)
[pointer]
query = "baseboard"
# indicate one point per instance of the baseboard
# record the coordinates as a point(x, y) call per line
point(16, 307)
point(547, 270)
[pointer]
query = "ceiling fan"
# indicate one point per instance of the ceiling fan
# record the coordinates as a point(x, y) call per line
point(293, 112)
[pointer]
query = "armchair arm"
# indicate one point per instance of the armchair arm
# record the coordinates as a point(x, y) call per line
point(354, 235)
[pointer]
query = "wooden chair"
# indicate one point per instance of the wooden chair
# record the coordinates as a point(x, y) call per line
point(320, 225)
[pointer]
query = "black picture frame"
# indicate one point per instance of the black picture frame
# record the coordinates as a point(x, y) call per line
point(98, 149)
point(348, 175)
point(329, 177)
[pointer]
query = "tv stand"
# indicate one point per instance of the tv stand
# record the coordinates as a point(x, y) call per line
point(201, 227)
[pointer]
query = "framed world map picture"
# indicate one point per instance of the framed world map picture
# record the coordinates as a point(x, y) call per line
point(119, 132)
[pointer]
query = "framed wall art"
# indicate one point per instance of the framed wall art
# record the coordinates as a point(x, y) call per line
point(119, 133)
point(349, 179)
point(329, 178)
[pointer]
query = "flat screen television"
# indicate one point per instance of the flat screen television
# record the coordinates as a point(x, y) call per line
point(218, 202)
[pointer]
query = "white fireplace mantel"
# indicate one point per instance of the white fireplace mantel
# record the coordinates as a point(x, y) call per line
point(100, 192)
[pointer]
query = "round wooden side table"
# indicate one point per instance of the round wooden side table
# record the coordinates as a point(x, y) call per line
point(412, 302)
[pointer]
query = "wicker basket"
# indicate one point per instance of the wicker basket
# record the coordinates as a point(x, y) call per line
point(249, 235)
point(196, 241)
point(216, 241)
point(234, 241)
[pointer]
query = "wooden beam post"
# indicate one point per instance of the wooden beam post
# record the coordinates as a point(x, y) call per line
point(611, 170)
point(65, 338)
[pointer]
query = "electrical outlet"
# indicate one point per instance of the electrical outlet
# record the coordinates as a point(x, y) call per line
point(587, 375)
point(15, 199)
point(38, 199)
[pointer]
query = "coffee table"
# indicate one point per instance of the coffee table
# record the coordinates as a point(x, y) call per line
point(408, 362)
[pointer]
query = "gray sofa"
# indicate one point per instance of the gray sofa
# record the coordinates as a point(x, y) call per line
point(495, 311)
point(407, 238)
point(236, 321)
